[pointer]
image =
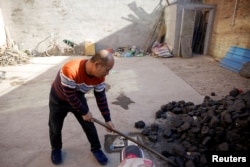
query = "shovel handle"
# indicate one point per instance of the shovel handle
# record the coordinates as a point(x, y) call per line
point(135, 141)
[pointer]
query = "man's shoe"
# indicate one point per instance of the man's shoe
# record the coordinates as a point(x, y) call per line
point(56, 156)
point(100, 157)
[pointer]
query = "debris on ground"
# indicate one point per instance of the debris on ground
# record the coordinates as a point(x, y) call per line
point(157, 50)
point(185, 132)
point(53, 48)
point(161, 50)
point(11, 56)
point(128, 51)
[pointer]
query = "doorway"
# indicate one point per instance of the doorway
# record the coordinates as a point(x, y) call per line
point(199, 34)
point(195, 30)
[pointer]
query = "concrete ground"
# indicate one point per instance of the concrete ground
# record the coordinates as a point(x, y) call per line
point(144, 83)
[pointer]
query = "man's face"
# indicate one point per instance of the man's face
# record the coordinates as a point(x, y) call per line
point(103, 70)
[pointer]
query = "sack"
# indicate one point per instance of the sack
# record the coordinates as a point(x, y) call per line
point(161, 50)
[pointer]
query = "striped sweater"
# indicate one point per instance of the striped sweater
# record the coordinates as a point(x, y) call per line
point(72, 82)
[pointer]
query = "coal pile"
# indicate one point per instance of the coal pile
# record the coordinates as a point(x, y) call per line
point(189, 131)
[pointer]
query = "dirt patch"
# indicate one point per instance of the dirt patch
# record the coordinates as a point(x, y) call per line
point(205, 75)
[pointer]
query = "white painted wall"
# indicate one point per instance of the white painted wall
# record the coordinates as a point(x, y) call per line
point(2, 30)
point(109, 23)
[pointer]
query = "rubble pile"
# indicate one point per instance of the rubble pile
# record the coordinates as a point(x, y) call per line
point(189, 131)
point(11, 56)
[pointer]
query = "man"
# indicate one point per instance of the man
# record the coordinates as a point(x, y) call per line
point(74, 79)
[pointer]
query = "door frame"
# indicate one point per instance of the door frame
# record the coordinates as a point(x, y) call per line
point(211, 9)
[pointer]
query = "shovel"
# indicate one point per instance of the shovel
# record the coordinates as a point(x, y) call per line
point(135, 141)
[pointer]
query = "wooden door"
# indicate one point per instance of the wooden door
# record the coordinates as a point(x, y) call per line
point(186, 33)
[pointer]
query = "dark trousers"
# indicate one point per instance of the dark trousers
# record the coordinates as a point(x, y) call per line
point(58, 111)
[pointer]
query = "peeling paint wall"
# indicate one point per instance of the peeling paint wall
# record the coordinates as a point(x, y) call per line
point(109, 23)
point(230, 29)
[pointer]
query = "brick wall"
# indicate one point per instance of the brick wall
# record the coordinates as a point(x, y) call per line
point(230, 30)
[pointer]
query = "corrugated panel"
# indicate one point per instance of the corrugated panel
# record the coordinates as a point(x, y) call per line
point(235, 58)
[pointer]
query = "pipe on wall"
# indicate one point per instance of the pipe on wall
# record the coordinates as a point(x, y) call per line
point(235, 7)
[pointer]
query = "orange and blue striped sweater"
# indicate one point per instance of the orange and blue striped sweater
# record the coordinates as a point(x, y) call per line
point(72, 82)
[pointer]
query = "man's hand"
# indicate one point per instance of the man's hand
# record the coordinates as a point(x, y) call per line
point(88, 117)
point(110, 125)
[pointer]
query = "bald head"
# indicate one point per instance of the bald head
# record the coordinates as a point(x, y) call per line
point(100, 64)
point(103, 56)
